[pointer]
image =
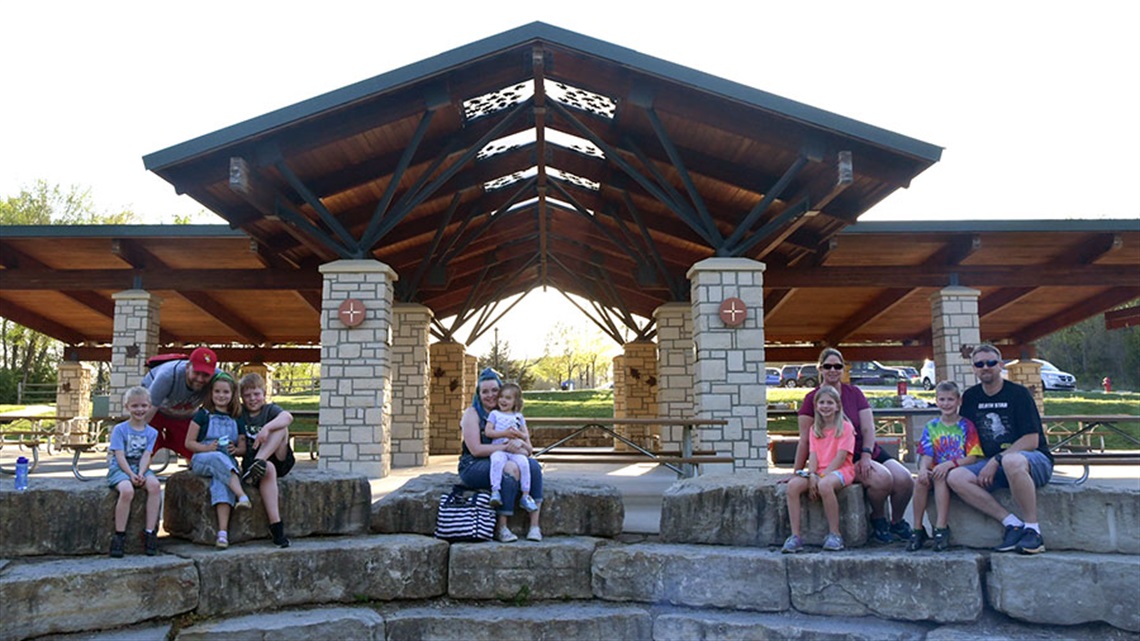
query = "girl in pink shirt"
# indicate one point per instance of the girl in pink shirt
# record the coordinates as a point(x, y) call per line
point(829, 469)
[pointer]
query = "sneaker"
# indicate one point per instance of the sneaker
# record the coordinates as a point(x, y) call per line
point(223, 541)
point(941, 538)
point(917, 539)
point(792, 545)
point(506, 536)
point(243, 503)
point(496, 499)
point(118, 542)
point(901, 530)
point(151, 543)
point(1011, 538)
point(256, 470)
point(1031, 542)
point(534, 534)
point(277, 531)
point(833, 542)
point(528, 503)
point(881, 531)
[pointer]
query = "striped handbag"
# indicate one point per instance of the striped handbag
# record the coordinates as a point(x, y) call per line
point(465, 515)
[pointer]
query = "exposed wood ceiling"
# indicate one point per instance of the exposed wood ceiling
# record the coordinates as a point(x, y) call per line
point(543, 158)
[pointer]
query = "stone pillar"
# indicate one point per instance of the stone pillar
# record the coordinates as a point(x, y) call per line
point(728, 371)
point(674, 368)
point(356, 379)
point(954, 324)
point(135, 340)
point(411, 367)
point(263, 370)
point(1028, 373)
point(636, 397)
point(73, 396)
point(471, 377)
point(448, 396)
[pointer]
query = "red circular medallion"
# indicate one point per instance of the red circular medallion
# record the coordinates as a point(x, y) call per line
point(733, 311)
point(351, 312)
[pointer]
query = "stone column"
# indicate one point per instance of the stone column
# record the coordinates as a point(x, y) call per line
point(448, 396)
point(73, 395)
point(1028, 373)
point(356, 380)
point(471, 378)
point(728, 371)
point(135, 340)
point(636, 397)
point(954, 324)
point(411, 366)
point(674, 368)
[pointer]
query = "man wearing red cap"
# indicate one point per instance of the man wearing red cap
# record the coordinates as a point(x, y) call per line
point(176, 391)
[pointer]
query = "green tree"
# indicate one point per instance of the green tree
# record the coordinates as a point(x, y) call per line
point(1090, 351)
point(499, 358)
point(26, 356)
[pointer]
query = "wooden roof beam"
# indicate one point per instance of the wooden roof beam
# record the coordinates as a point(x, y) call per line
point(1091, 306)
point(224, 315)
point(40, 323)
point(881, 304)
point(996, 301)
point(1120, 318)
point(1104, 244)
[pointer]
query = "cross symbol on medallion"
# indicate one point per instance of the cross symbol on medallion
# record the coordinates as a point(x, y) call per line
point(351, 312)
point(732, 311)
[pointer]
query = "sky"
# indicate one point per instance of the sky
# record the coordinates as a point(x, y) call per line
point(1037, 104)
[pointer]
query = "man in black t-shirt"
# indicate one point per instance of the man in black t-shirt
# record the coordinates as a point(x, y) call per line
point(1017, 454)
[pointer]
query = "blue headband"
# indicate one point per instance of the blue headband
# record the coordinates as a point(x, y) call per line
point(487, 374)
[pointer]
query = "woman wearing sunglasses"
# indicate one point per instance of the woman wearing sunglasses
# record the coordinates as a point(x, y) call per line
point(877, 471)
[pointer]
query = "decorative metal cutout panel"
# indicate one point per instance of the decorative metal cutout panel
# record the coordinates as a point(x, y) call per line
point(585, 183)
point(509, 179)
point(495, 101)
point(572, 96)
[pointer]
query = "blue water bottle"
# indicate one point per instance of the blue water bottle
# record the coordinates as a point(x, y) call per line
point(21, 474)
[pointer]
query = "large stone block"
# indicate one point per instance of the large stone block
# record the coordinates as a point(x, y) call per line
point(1067, 588)
point(332, 570)
point(712, 625)
point(562, 621)
point(70, 595)
point(312, 502)
point(1090, 517)
point(751, 509)
point(692, 575)
point(65, 516)
point(292, 625)
point(906, 587)
point(553, 569)
point(993, 626)
point(575, 507)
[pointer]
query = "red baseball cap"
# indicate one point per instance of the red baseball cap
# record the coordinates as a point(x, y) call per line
point(204, 360)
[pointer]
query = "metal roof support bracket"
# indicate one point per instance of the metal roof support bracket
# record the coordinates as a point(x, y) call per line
point(679, 165)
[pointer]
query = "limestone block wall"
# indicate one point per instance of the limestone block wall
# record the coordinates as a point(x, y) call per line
point(447, 396)
point(1028, 373)
point(411, 366)
point(356, 380)
point(954, 324)
point(73, 396)
point(135, 338)
point(636, 397)
point(675, 369)
point(729, 366)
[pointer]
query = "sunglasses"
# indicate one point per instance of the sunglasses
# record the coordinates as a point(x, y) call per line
point(832, 366)
point(981, 364)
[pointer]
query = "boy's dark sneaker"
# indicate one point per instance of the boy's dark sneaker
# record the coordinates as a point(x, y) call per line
point(151, 543)
point(1031, 542)
point(256, 470)
point(941, 538)
point(277, 530)
point(881, 531)
point(117, 543)
point(917, 540)
point(901, 530)
point(1011, 538)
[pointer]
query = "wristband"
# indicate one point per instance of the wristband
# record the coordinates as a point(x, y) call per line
point(955, 462)
point(802, 473)
point(867, 450)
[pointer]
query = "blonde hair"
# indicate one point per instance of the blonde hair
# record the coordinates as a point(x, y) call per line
point(136, 392)
point(253, 380)
point(518, 395)
point(818, 425)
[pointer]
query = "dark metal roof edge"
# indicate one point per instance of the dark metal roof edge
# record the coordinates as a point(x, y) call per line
point(539, 31)
point(1009, 225)
point(120, 231)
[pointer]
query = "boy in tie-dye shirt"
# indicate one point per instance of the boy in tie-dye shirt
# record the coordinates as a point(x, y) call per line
point(947, 442)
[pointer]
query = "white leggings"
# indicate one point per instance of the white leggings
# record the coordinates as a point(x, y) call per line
point(499, 459)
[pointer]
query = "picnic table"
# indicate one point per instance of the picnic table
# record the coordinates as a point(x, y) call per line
point(684, 464)
point(1074, 446)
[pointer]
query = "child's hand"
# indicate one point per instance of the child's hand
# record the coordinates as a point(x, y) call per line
point(923, 475)
point(136, 480)
point(813, 487)
point(941, 470)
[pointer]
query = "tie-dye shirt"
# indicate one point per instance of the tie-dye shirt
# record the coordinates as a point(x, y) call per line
point(943, 442)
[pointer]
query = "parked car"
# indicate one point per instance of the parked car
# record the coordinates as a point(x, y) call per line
point(910, 374)
point(772, 376)
point(808, 376)
point(872, 373)
point(1052, 378)
point(788, 375)
point(926, 376)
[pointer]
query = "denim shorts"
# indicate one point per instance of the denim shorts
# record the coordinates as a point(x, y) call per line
point(1040, 469)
